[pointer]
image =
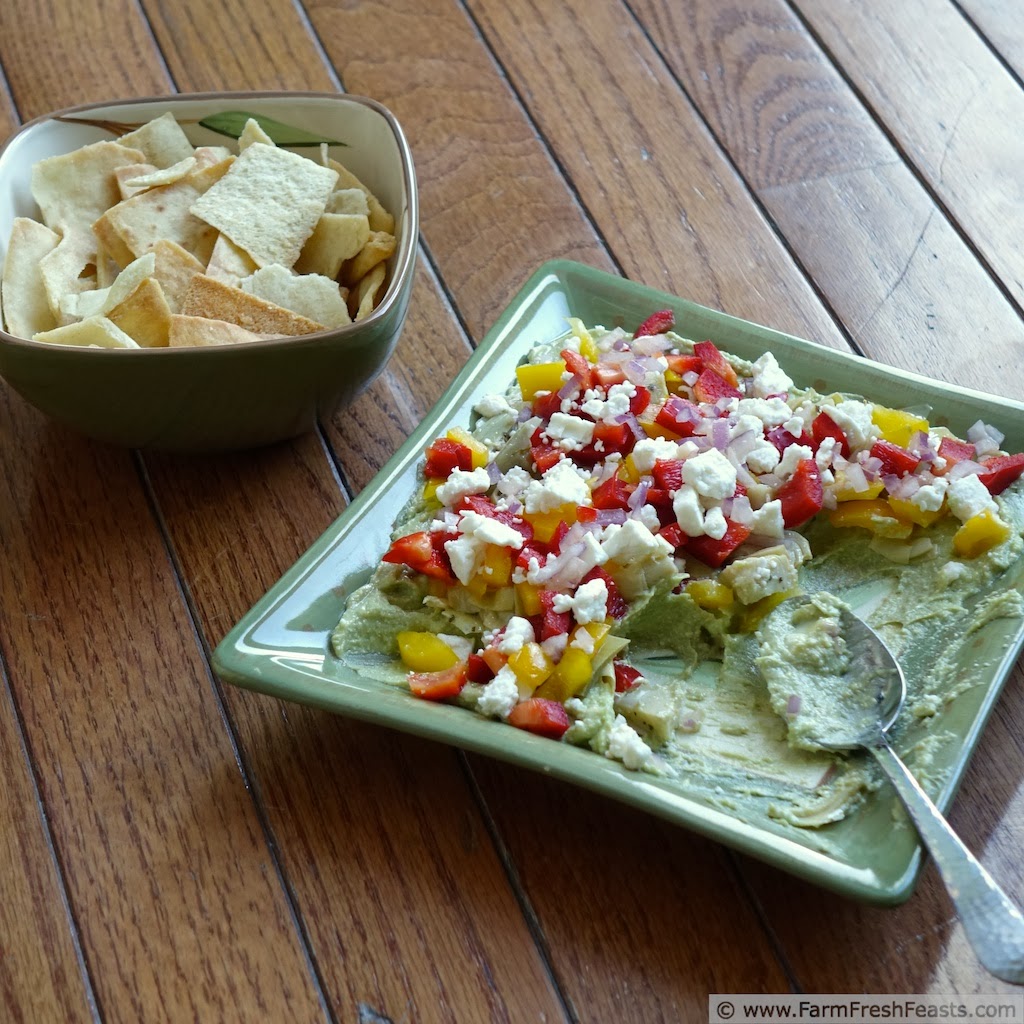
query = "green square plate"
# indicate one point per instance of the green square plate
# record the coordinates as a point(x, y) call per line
point(281, 646)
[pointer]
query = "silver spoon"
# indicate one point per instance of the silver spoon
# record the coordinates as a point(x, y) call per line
point(994, 926)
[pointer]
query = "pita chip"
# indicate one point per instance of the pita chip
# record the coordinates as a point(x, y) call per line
point(65, 269)
point(251, 133)
point(26, 308)
point(268, 203)
point(99, 301)
point(95, 332)
point(380, 219)
point(144, 316)
point(337, 237)
point(128, 171)
point(363, 299)
point(228, 263)
point(164, 175)
point(162, 140)
point(201, 332)
point(137, 224)
point(207, 156)
point(175, 268)
point(73, 189)
point(215, 300)
point(348, 200)
point(379, 247)
point(318, 298)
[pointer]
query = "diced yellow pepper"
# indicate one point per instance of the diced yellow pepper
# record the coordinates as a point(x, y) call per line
point(431, 486)
point(569, 677)
point(897, 426)
point(534, 377)
point(598, 630)
point(496, 567)
point(481, 456)
point(545, 523)
point(531, 665)
point(673, 381)
point(979, 534)
point(908, 510)
point(628, 471)
point(424, 652)
point(750, 615)
point(875, 515)
point(652, 429)
point(869, 492)
point(528, 600)
point(588, 347)
point(477, 586)
point(710, 594)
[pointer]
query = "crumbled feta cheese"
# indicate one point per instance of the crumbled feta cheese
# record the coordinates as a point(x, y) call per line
point(459, 645)
point(715, 525)
point(763, 457)
point(554, 647)
point(590, 602)
point(607, 410)
point(767, 521)
point(826, 450)
point(493, 405)
point(514, 481)
point(688, 511)
point(651, 450)
point(518, 632)
point(461, 483)
point(929, 496)
point(560, 485)
point(745, 424)
point(486, 530)
point(794, 427)
point(710, 474)
point(464, 555)
point(769, 377)
point(854, 419)
point(625, 745)
point(571, 432)
point(770, 411)
point(758, 576)
point(968, 497)
point(633, 542)
point(648, 515)
point(500, 695)
point(583, 640)
point(687, 450)
point(791, 458)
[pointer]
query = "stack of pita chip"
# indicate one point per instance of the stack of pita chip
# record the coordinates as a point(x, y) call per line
point(150, 241)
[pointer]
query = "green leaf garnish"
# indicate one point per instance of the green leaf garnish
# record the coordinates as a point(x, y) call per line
point(232, 123)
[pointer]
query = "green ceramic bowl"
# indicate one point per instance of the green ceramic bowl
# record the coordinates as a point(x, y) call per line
point(229, 397)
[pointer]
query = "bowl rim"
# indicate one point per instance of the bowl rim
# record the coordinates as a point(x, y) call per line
point(404, 259)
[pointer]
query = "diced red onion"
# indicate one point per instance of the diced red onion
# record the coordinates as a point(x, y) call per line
point(524, 414)
point(985, 437)
point(872, 467)
point(493, 472)
point(617, 357)
point(620, 345)
point(633, 423)
point(607, 516)
point(721, 434)
point(743, 444)
point(635, 371)
point(854, 477)
point(902, 487)
point(690, 378)
point(724, 406)
point(921, 446)
point(965, 468)
point(515, 507)
point(639, 496)
point(741, 513)
point(651, 344)
point(745, 477)
point(793, 704)
point(569, 388)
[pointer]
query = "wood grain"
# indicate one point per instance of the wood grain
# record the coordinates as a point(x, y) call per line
point(886, 257)
point(950, 106)
point(1001, 25)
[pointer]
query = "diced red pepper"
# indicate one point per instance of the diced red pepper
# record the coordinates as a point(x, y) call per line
point(673, 533)
point(712, 359)
point(418, 552)
point(801, 495)
point(613, 493)
point(614, 437)
point(668, 474)
point(485, 507)
point(439, 685)
point(616, 605)
point(824, 426)
point(606, 376)
point(545, 406)
point(640, 400)
point(494, 658)
point(543, 717)
point(625, 676)
point(782, 438)
point(711, 386)
point(894, 459)
point(1001, 471)
point(678, 415)
point(714, 552)
point(554, 623)
point(659, 497)
point(477, 669)
point(586, 514)
point(444, 455)
point(578, 366)
point(558, 536)
point(545, 456)
point(657, 323)
point(953, 450)
point(532, 549)
point(685, 364)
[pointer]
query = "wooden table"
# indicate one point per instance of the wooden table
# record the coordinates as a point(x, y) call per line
point(174, 849)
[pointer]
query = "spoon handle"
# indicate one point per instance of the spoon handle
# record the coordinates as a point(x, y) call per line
point(993, 924)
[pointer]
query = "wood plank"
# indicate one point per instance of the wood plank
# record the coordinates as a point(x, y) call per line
point(182, 914)
point(1000, 23)
point(950, 105)
point(384, 868)
point(885, 256)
